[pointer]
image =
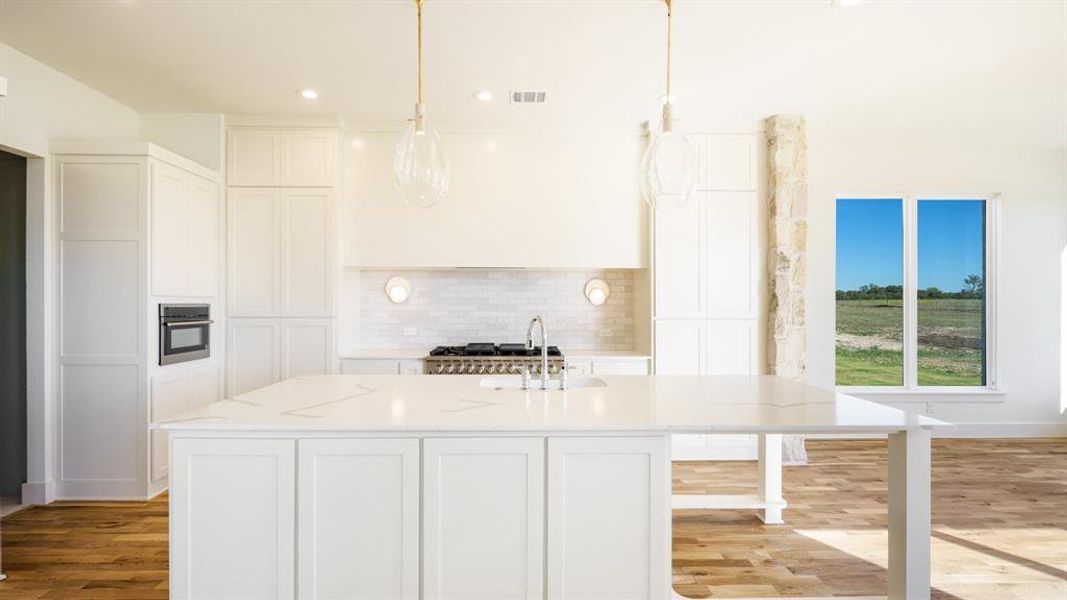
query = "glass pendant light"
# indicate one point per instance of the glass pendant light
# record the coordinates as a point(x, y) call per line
point(420, 167)
point(669, 167)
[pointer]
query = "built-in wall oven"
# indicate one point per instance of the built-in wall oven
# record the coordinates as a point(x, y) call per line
point(184, 332)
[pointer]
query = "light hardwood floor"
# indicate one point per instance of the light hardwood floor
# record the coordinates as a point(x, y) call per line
point(999, 528)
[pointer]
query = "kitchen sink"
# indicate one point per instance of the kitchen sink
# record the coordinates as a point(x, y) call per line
point(514, 383)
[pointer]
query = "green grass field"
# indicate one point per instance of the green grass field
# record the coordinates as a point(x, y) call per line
point(870, 334)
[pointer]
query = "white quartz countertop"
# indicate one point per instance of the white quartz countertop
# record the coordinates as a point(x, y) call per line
point(662, 403)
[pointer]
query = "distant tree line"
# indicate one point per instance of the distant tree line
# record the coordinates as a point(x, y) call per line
point(973, 288)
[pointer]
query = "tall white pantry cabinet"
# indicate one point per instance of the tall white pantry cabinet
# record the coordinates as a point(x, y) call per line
point(282, 184)
point(136, 225)
point(707, 261)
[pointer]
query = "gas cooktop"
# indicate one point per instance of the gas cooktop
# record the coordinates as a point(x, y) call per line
point(489, 349)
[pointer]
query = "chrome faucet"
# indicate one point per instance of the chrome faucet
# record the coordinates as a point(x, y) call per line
point(544, 349)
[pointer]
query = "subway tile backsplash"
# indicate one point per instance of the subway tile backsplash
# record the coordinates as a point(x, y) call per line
point(450, 307)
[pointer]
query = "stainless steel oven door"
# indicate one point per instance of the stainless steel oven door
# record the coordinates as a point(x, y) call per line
point(181, 341)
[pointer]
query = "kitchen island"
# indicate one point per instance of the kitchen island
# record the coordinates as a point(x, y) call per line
point(461, 487)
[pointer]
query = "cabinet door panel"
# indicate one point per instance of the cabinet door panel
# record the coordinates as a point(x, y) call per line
point(203, 385)
point(307, 347)
point(202, 259)
point(308, 157)
point(253, 354)
point(170, 229)
point(680, 347)
point(233, 537)
point(608, 518)
point(359, 519)
point(731, 162)
point(483, 518)
point(253, 157)
point(679, 261)
point(170, 397)
point(732, 254)
point(253, 256)
point(732, 347)
point(307, 257)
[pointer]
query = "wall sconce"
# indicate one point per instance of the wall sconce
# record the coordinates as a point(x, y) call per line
point(398, 289)
point(597, 291)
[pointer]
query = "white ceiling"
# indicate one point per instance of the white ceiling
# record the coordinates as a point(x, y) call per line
point(951, 67)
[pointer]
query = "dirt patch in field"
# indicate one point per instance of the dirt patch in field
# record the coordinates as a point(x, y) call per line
point(851, 341)
point(949, 340)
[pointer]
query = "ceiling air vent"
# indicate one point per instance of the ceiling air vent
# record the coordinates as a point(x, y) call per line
point(527, 97)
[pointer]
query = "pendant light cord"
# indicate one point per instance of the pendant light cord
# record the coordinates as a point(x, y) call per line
point(418, 7)
point(669, 10)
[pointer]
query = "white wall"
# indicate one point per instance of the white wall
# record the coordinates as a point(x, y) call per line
point(1033, 187)
point(44, 105)
point(200, 137)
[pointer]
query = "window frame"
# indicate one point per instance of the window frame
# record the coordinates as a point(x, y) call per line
point(910, 208)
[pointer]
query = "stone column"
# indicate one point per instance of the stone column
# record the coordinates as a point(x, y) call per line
point(787, 151)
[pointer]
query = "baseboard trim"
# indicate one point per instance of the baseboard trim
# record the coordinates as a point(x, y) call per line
point(38, 492)
point(101, 490)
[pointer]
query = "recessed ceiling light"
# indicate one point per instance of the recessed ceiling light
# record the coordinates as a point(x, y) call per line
point(844, 2)
point(307, 93)
point(483, 95)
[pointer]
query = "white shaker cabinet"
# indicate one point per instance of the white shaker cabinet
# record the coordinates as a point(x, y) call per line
point(282, 157)
point(359, 516)
point(306, 347)
point(135, 226)
point(483, 500)
point(679, 256)
point(707, 277)
point(308, 157)
point(253, 157)
point(306, 252)
point(263, 351)
point(172, 393)
point(706, 258)
point(253, 354)
point(681, 347)
point(253, 251)
point(358, 519)
point(185, 232)
point(241, 536)
point(608, 520)
point(281, 252)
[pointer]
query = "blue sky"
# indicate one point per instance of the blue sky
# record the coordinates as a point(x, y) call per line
point(870, 243)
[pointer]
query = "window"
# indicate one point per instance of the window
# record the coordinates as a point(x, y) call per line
point(914, 291)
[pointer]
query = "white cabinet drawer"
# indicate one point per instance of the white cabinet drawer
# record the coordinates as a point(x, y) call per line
point(620, 366)
point(370, 366)
point(579, 367)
